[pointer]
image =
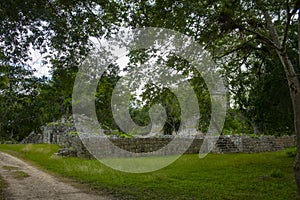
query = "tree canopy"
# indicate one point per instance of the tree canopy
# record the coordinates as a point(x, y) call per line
point(235, 33)
point(255, 45)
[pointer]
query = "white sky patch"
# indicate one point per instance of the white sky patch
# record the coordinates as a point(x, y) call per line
point(37, 64)
point(122, 59)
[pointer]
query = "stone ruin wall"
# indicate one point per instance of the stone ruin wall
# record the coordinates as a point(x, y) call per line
point(61, 135)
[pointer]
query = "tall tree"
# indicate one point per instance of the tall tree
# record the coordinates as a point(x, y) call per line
point(19, 109)
point(61, 32)
point(228, 28)
point(268, 24)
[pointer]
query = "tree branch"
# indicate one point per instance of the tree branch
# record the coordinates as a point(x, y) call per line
point(273, 32)
point(299, 37)
point(287, 25)
point(239, 47)
point(263, 39)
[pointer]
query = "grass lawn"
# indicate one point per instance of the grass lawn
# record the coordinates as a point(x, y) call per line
point(228, 176)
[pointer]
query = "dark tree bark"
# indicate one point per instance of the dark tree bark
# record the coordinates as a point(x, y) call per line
point(293, 81)
point(296, 105)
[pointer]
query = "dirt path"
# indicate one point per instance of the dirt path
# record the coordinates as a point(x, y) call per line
point(27, 182)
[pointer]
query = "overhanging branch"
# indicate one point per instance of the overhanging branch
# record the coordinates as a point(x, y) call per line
point(287, 25)
point(263, 38)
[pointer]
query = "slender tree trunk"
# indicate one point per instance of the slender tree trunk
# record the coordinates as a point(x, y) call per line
point(295, 96)
point(294, 86)
point(255, 129)
point(296, 105)
point(296, 108)
point(243, 127)
point(298, 38)
point(11, 134)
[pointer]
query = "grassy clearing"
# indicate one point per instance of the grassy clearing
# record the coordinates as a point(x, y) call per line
point(229, 176)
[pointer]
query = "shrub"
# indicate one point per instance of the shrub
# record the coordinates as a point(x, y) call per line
point(73, 133)
point(276, 173)
point(291, 152)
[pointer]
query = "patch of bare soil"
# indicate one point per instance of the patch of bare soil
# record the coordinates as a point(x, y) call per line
point(27, 182)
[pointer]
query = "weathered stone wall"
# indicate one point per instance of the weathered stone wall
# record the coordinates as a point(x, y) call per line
point(66, 136)
point(101, 148)
point(144, 145)
point(34, 138)
point(62, 135)
point(286, 141)
point(260, 144)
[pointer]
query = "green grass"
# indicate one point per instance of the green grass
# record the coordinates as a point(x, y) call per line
point(19, 174)
point(6, 167)
point(227, 176)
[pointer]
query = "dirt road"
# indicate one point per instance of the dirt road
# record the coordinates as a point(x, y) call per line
point(27, 182)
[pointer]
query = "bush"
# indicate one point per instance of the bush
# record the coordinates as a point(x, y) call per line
point(120, 134)
point(73, 133)
point(291, 152)
point(276, 173)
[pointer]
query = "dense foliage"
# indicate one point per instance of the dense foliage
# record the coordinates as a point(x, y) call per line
point(234, 32)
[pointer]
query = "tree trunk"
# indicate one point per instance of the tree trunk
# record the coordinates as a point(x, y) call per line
point(255, 129)
point(296, 107)
point(294, 85)
point(11, 134)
